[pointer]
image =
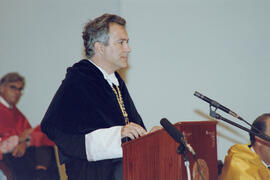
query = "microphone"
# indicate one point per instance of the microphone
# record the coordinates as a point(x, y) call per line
point(176, 135)
point(227, 110)
point(217, 105)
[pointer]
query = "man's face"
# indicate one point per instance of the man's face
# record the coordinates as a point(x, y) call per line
point(265, 145)
point(12, 92)
point(117, 50)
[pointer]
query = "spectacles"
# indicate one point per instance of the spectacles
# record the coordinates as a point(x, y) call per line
point(14, 88)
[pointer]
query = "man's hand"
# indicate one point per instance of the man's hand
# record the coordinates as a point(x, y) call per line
point(19, 150)
point(132, 131)
point(25, 135)
point(155, 128)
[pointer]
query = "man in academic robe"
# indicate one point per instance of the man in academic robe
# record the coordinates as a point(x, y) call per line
point(25, 151)
point(92, 109)
point(250, 162)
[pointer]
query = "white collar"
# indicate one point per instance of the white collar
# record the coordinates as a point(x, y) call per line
point(111, 78)
point(5, 103)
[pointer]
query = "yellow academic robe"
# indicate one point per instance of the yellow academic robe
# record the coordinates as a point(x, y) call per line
point(242, 163)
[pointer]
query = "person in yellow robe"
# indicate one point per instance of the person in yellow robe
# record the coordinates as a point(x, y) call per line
point(250, 162)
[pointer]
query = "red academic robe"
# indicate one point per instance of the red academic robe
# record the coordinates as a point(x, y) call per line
point(13, 122)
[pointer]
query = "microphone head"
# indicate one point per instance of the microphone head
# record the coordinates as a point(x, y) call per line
point(199, 95)
point(171, 129)
point(196, 93)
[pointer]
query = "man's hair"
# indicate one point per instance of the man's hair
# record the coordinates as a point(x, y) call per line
point(97, 30)
point(11, 77)
point(258, 126)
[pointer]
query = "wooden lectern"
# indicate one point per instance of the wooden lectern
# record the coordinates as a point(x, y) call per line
point(155, 157)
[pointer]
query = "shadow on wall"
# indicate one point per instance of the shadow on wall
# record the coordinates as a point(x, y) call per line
point(123, 74)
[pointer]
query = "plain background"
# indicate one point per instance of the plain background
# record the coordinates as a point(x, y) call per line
point(219, 48)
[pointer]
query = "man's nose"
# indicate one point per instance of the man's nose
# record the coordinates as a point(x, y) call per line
point(18, 92)
point(127, 48)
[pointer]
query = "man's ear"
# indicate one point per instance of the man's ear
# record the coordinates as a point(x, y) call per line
point(99, 48)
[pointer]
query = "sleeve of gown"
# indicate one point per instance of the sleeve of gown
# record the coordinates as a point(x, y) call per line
point(71, 145)
point(237, 168)
point(104, 144)
point(61, 122)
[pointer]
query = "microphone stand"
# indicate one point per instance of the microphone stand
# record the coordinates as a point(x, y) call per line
point(215, 104)
point(218, 116)
point(182, 150)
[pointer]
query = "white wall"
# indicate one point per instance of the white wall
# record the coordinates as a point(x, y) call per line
point(219, 48)
point(40, 39)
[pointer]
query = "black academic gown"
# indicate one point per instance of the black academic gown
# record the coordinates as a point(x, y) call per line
point(84, 103)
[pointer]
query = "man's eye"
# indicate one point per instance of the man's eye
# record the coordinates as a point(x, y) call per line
point(16, 88)
point(123, 42)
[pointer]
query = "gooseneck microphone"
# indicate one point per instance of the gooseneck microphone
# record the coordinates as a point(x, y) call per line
point(227, 110)
point(176, 135)
point(217, 105)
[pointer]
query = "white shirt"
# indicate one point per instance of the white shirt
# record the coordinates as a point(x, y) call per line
point(104, 143)
point(5, 103)
point(111, 78)
point(2, 175)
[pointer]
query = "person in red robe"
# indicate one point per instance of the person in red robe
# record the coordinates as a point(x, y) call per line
point(26, 151)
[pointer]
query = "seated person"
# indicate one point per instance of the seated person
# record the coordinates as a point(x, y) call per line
point(250, 162)
point(25, 151)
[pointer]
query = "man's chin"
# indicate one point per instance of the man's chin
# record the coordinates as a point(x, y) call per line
point(13, 103)
point(125, 65)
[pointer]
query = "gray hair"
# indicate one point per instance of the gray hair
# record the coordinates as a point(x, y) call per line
point(11, 77)
point(97, 30)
